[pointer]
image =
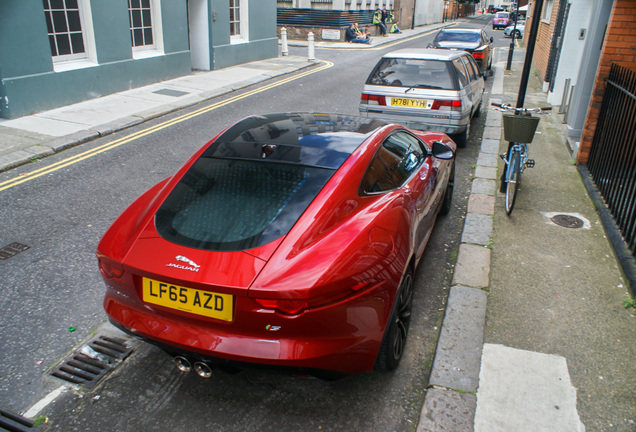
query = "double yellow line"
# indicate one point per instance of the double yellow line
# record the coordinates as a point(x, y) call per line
point(7, 184)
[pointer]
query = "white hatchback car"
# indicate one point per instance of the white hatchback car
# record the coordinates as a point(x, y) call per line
point(425, 89)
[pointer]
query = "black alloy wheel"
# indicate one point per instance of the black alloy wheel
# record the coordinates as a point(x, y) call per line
point(394, 341)
point(448, 195)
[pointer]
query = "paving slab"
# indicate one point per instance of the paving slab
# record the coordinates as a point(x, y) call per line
point(490, 146)
point(489, 160)
point(486, 172)
point(481, 204)
point(477, 229)
point(473, 266)
point(525, 391)
point(483, 186)
point(458, 353)
point(447, 410)
point(492, 132)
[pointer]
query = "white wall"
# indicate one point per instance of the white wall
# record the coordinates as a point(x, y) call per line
point(573, 48)
point(428, 12)
point(199, 34)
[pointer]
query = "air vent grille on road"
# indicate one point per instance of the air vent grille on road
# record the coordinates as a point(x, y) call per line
point(92, 361)
point(15, 423)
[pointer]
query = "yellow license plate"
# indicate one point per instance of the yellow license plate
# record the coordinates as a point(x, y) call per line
point(409, 103)
point(199, 302)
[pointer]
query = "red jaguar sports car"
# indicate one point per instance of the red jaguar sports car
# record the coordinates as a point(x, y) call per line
point(288, 240)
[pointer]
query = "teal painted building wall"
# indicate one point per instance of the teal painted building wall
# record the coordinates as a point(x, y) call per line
point(29, 81)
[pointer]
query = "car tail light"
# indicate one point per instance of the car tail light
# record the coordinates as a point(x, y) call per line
point(110, 268)
point(372, 99)
point(297, 306)
point(479, 55)
point(452, 105)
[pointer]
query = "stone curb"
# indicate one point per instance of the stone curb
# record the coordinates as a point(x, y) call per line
point(451, 400)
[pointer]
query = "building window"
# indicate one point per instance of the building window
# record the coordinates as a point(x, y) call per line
point(547, 11)
point(238, 21)
point(235, 17)
point(140, 15)
point(64, 25)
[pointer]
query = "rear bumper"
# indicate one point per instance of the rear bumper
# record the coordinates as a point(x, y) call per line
point(447, 123)
point(343, 338)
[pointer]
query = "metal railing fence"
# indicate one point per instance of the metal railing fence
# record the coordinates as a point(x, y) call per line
point(612, 161)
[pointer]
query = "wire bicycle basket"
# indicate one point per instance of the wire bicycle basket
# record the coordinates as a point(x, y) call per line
point(519, 128)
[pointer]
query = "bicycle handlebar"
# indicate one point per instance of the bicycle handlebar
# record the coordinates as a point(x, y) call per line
point(508, 107)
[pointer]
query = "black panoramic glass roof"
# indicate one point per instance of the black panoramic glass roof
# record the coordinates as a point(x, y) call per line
point(253, 182)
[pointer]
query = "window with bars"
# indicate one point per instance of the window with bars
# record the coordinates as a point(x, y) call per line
point(64, 26)
point(140, 14)
point(235, 17)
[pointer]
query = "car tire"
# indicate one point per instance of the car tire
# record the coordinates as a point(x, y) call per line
point(448, 194)
point(478, 110)
point(517, 34)
point(394, 340)
point(461, 139)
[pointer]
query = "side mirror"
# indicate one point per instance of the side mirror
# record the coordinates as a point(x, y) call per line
point(442, 151)
point(492, 39)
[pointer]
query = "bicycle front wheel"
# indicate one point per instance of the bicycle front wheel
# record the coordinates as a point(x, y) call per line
point(513, 180)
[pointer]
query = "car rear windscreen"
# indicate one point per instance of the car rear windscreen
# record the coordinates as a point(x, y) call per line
point(234, 204)
point(416, 73)
point(457, 37)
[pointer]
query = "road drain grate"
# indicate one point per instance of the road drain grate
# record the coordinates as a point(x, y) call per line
point(91, 362)
point(15, 423)
point(11, 250)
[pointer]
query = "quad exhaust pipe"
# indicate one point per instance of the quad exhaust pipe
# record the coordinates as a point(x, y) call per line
point(202, 369)
point(183, 364)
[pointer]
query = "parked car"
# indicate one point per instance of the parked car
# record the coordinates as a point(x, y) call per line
point(518, 30)
point(501, 20)
point(288, 240)
point(426, 89)
point(474, 41)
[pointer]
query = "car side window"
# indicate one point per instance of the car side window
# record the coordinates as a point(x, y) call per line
point(469, 67)
point(398, 157)
point(475, 66)
point(461, 71)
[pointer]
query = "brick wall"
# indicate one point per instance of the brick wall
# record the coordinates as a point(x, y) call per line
point(620, 47)
point(544, 38)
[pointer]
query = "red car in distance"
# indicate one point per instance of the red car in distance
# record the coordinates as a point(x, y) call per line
point(288, 240)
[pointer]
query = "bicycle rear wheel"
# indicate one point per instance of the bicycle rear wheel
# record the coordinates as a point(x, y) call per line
point(513, 180)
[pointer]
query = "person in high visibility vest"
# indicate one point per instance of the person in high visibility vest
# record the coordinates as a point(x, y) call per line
point(394, 24)
point(377, 20)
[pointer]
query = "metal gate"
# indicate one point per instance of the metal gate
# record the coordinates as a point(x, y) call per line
point(612, 161)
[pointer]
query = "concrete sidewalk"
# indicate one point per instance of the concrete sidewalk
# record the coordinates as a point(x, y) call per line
point(535, 335)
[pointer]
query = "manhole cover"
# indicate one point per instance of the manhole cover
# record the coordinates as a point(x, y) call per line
point(567, 221)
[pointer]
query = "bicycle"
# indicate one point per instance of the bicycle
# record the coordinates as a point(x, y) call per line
point(519, 129)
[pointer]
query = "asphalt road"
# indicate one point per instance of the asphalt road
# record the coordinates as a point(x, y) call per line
point(55, 286)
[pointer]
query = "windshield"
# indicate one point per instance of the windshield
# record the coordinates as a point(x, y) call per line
point(502, 15)
point(413, 73)
point(232, 205)
point(444, 36)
